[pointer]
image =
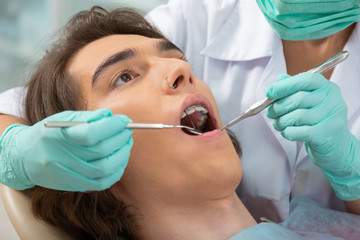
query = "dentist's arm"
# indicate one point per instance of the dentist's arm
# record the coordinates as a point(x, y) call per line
point(311, 109)
point(87, 157)
point(353, 206)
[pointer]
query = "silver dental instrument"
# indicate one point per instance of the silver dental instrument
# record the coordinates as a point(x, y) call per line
point(61, 124)
point(262, 104)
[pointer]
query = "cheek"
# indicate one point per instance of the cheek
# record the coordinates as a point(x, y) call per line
point(151, 160)
point(136, 106)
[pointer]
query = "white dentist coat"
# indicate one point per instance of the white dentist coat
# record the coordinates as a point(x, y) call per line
point(231, 46)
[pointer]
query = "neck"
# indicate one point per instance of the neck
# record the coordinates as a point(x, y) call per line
point(215, 219)
point(301, 56)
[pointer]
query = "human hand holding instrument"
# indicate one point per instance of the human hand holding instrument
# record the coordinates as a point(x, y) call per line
point(262, 104)
point(311, 109)
point(91, 157)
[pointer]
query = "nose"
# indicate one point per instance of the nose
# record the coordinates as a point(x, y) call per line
point(179, 76)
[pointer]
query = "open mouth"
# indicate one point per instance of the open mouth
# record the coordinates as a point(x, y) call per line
point(197, 117)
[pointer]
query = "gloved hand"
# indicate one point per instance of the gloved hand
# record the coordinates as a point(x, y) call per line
point(85, 157)
point(311, 109)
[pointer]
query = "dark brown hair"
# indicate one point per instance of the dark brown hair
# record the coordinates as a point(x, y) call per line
point(95, 215)
point(51, 89)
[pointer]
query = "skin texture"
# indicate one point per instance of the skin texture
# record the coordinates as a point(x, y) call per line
point(301, 56)
point(185, 185)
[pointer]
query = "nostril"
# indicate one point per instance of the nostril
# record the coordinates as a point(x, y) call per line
point(175, 84)
point(177, 81)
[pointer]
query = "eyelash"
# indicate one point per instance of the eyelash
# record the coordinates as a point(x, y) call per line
point(122, 73)
point(183, 58)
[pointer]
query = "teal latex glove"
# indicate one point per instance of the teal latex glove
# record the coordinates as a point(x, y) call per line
point(311, 109)
point(85, 157)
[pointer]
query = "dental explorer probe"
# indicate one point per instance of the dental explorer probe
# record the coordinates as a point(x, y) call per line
point(61, 124)
point(262, 104)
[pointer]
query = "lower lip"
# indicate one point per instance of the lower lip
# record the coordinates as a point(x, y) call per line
point(212, 134)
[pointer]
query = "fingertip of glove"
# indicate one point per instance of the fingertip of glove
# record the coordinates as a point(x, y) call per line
point(269, 113)
point(270, 92)
point(99, 114)
point(128, 131)
point(276, 127)
point(123, 120)
point(286, 136)
point(131, 142)
point(105, 112)
point(283, 134)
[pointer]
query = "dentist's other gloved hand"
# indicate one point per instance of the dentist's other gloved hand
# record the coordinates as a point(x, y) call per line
point(85, 157)
point(311, 109)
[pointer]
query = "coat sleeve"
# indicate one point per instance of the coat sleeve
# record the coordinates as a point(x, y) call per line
point(12, 101)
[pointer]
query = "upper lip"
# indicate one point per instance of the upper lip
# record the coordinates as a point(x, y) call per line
point(194, 99)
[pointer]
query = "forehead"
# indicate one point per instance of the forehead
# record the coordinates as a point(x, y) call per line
point(93, 54)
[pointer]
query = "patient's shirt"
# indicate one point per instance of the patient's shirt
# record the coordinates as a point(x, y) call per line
point(307, 220)
point(12, 101)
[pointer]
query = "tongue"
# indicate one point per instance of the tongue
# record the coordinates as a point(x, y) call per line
point(194, 117)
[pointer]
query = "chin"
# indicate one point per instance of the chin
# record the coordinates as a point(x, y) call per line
point(230, 180)
point(224, 178)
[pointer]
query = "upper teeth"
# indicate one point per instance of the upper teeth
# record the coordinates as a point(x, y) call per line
point(198, 107)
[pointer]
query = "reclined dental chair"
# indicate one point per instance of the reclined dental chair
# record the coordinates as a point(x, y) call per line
point(18, 208)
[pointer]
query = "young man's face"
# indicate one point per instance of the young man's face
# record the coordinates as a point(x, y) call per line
point(127, 74)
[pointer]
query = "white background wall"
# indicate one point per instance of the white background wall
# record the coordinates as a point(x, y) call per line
point(27, 25)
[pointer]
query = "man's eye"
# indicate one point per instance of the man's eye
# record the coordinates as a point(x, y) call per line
point(184, 59)
point(125, 77)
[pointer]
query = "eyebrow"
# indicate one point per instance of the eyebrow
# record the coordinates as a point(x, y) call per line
point(115, 58)
point(162, 46)
point(166, 45)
